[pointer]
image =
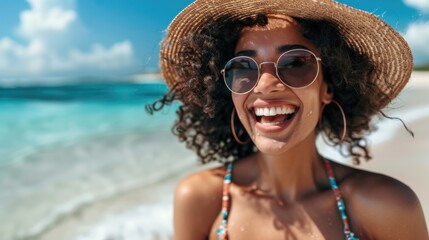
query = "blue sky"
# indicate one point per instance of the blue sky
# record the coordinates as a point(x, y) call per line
point(72, 38)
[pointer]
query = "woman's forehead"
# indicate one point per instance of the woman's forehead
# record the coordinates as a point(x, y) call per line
point(279, 28)
point(279, 32)
point(286, 34)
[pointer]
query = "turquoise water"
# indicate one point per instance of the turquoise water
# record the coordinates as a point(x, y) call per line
point(64, 147)
point(36, 117)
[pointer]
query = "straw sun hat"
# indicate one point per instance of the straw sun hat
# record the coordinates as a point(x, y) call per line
point(364, 33)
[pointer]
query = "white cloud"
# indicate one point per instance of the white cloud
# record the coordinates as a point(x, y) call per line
point(17, 58)
point(45, 16)
point(37, 59)
point(118, 55)
point(46, 49)
point(417, 36)
point(420, 5)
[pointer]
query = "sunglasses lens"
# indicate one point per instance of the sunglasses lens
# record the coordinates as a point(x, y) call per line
point(297, 68)
point(241, 74)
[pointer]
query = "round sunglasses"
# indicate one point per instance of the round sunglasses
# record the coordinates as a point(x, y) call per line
point(296, 68)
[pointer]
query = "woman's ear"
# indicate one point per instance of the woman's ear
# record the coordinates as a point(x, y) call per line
point(326, 93)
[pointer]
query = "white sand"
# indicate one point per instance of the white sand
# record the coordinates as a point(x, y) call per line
point(419, 79)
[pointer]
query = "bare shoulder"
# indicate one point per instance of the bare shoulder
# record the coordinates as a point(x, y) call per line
point(202, 186)
point(383, 207)
point(197, 202)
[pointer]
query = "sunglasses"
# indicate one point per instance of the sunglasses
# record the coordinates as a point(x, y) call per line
point(297, 68)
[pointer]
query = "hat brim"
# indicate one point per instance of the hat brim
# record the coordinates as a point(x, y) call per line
point(363, 32)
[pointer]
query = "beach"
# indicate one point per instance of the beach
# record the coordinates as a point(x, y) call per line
point(400, 155)
point(142, 210)
point(123, 182)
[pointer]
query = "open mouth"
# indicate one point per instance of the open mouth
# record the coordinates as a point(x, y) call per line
point(274, 116)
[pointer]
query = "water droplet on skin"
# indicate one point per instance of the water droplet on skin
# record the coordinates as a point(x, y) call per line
point(312, 235)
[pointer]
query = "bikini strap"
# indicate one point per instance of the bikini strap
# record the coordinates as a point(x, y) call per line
point(222, 231)
point(340, 202)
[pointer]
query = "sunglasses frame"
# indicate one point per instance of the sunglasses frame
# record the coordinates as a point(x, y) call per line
point(275, 65)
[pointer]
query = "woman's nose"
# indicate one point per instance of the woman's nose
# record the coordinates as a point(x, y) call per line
point(268, 79)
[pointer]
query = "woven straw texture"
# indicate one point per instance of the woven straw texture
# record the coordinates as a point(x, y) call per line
point(364, 33)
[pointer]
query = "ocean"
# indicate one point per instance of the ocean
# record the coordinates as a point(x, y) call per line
point(33, 117)
point(67, 147)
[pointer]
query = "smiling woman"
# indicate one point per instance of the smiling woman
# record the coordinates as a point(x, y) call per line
point(258, 81)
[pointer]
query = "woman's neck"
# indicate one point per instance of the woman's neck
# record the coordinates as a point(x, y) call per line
point(291, 175)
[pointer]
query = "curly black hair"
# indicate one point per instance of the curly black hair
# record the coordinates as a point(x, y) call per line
point(203, 121)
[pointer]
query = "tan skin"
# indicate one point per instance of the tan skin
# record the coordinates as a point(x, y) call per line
point(293, 199)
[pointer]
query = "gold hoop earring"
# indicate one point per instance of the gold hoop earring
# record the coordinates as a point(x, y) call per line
point(343, 115)
point(234, 134)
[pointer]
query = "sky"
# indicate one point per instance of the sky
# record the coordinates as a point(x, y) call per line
point(53, 39)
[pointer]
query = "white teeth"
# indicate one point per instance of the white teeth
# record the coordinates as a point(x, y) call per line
point(271, 123)
point(274, 111)
point(263, 111)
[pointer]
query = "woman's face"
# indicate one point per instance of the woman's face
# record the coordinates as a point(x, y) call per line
point(281, 132)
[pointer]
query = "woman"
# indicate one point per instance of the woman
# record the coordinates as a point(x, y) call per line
point(258, 81)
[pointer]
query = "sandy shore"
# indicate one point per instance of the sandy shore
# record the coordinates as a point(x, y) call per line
point(158, 195)
point(88, 216)
point(401, 157)
point(91, 179)
point(405, 157)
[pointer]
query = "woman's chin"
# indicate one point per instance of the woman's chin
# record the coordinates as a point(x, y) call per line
point(270, 146)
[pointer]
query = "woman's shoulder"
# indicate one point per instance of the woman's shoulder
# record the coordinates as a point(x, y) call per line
point(361, 186)
point(359, 182)
point(201, 185)
point(381, 204)
point(197, 203)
